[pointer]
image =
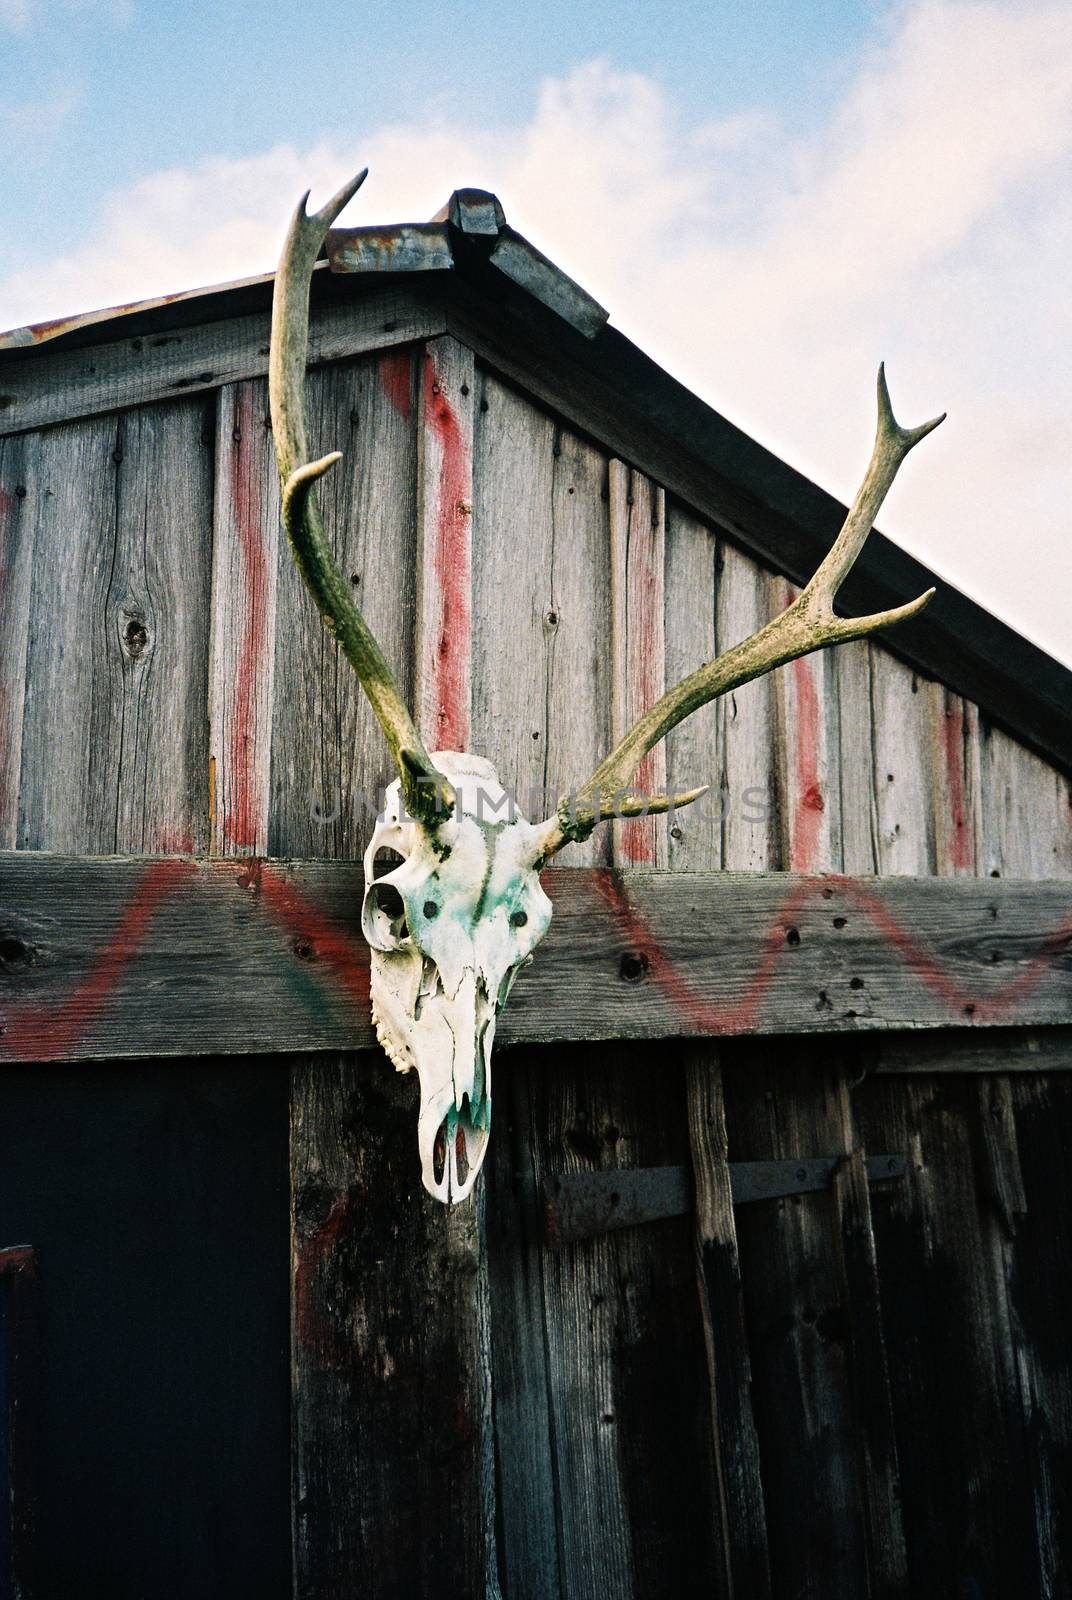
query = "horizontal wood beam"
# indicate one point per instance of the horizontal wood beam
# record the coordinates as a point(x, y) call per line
point(102, 958)
point(37, 390)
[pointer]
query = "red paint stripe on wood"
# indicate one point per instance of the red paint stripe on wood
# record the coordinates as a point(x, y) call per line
point(395, 372)
point(244, 823)
point(644, 667)
point(449, 648)
point(808, 811)
point(313, 1331)
point(958, 843)
point(741, 1016)
point(345, 957)
point(36, 1033)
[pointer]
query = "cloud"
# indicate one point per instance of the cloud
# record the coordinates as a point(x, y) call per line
point(31, 123)
point(15, 15)
point(928, 222)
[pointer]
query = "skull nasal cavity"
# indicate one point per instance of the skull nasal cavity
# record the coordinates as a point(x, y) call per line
point(389, 900)
point(386, 861)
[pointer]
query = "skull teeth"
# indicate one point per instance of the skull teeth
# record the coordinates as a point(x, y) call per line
point(394, 1055)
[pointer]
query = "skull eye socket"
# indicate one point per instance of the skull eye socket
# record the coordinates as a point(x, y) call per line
point(519, 918)
point(386, 861)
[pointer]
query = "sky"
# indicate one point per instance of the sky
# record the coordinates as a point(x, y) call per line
point(768, 197)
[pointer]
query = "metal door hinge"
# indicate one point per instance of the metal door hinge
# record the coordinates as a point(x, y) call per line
point(580, 1204)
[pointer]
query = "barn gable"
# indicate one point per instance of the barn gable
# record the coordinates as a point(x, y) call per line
point(472, 1406)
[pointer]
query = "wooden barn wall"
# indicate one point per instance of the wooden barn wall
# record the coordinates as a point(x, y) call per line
point(800, 1397)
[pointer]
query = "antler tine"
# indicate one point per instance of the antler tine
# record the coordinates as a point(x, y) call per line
point(427, 793)
point(806, 625)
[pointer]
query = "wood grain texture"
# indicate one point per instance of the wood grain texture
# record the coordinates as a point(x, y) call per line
point(607, 388)
point(693, 564)
point(62, 385)
point(966, 1482)
point(619, 1324)
point(245, 568)
point(806, 741)
point(330, 762)
point(638, 645)
point(876, 1443)
point(746, 1559)
point(746, 729)
point(113, 748)
point(16, 559)
point(272, 954)
point(393, 1468)
point(577, 630)
point(393, 1450)
point(798, 1320)
point(1027, 812)
point(855, 757)
point(513, 488)
point(900, 768)
point(445, 407)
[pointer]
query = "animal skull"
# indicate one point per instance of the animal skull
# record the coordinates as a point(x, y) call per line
point(450, 925)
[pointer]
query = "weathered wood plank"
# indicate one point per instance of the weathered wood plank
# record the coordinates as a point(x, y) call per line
point(16, 565)
point(521, 1377)
point(445, 407)
point(797, 1319)
point(624, 1345)
point(159, 610)
point(20, 1419)
point(330, 761)
point(577, 624)
point(513, 475)
point(1040, 1249)
point(748, 786)
point(966, 1484)
point(1027, 812)
point(693, 563)
point(113, 748)
point(987, 1050)
point(528, 714)
point(806, 738)
point(393, 1450)
point(876, 1443)
point(900, 768)
point(196, 955)
point(957, 783)
point(63, 385)
point(638, 644)
point(855, 759)
point(244, 583)
point(393, 1482)
point(746, 1569)
point(70, 736)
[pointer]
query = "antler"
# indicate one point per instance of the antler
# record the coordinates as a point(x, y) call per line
point(806, 625)
point(427, 792)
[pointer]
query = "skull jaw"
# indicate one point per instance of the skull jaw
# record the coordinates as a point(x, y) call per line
point(447, 1041)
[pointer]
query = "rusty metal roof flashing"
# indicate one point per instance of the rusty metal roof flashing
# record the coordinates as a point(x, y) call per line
point(470, 229)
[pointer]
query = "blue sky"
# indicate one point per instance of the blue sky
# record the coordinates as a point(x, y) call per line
point(118, 88)
point(768, 197)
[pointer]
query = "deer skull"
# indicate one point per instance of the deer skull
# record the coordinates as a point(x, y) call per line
point(450, 923)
